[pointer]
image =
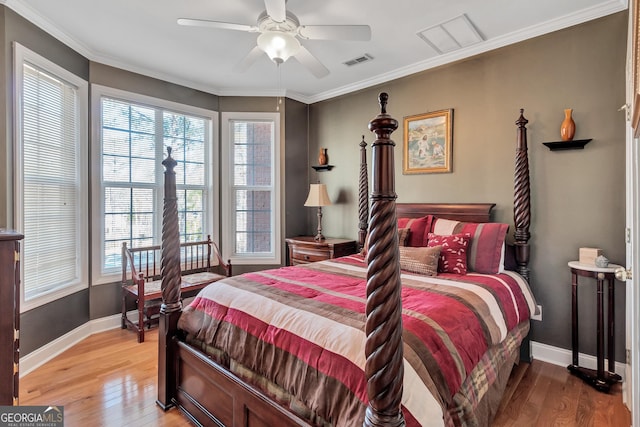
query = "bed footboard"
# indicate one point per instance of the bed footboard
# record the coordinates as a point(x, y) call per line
point(208, 394)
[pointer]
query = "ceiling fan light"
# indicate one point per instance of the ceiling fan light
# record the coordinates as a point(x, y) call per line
point(278, 45)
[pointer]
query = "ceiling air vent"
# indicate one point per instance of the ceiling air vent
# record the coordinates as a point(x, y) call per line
point(456, 33)
point(359, 60)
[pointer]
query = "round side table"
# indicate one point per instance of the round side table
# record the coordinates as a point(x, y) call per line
point(600, 379)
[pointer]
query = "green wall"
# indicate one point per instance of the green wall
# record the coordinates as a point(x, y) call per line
point(577, 196)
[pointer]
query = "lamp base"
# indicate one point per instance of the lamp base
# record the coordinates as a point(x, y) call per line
point(319, 236)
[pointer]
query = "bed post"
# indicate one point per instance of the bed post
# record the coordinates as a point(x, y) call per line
point(170, 271)
point(521, 199)
point(363, 196)
point(522, 215)
point(384, 367)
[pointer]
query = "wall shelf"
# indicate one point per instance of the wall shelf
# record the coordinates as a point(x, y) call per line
point(321, 168)
point(576, 144)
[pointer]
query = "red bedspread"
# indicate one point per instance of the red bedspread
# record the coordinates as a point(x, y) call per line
point(303, 329)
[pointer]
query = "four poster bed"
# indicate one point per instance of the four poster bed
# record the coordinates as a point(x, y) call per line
point(376, 339)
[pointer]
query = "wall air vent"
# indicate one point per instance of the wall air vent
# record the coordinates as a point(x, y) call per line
point(359, 60)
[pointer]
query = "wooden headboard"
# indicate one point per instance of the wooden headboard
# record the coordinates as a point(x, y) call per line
point(468, 212)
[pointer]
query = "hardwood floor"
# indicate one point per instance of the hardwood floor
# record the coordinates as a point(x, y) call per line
point(542, 394)
point(110, 380)
point(107, 379)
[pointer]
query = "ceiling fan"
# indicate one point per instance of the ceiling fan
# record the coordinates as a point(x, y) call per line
point(280, 32)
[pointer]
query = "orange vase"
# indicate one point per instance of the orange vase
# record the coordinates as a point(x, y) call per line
point(568, 127)
point(322, 157)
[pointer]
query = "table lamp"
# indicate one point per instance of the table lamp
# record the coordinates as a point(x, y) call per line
point(318, 197)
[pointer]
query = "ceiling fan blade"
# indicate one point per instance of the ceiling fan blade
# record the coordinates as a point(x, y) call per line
point(311, 63)
point(335, 32)
point(217, 24)
point(248, 60)
point(276, 9)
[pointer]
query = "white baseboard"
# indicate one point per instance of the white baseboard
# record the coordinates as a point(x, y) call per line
point(562, 357)
point(47, 352)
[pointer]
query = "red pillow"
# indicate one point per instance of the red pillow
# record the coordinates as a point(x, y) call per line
point(419, 229)
point(453, 255)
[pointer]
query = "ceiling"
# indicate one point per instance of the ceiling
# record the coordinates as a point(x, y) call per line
point(143, 36)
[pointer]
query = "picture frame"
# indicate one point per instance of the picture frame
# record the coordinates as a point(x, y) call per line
point(428, 141)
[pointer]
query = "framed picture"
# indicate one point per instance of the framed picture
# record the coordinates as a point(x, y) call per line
point(427, 142)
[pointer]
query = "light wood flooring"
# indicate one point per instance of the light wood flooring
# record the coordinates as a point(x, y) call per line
point(109, 379)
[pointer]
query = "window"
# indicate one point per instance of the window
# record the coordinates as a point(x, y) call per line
point(134, 133)
point(50, 176)
point(251, 184)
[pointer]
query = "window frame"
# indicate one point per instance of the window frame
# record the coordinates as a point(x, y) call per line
point(228, 214)
point(211, 218)
point(22, 55)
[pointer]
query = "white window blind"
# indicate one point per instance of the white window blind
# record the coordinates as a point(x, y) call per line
point(50, 179)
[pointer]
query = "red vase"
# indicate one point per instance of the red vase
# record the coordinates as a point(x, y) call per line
point(568, 127)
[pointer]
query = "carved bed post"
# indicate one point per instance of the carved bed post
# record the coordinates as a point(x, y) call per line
point(363, 196)
point(522, 215)
point(521, 199)
point(170, 270)
point(384, 367)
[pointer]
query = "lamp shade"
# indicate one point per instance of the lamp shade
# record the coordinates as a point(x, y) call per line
point(318, 196)
point(278, 45)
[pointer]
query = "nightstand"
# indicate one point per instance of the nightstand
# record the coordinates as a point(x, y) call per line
point(305, 249)
point(601, 378)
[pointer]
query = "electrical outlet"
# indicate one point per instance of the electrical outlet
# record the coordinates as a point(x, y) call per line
point(538, 316)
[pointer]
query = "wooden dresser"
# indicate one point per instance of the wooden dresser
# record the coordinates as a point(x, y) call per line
point(9, 316)
point(305, 249)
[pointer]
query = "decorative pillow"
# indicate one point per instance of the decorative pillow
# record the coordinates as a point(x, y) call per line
point(453, 254)
point(420, 260)
point(403, 236)
point(420, 228)
point(486, 249)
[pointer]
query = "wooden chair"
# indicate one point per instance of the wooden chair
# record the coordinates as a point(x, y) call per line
point(141, 279)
